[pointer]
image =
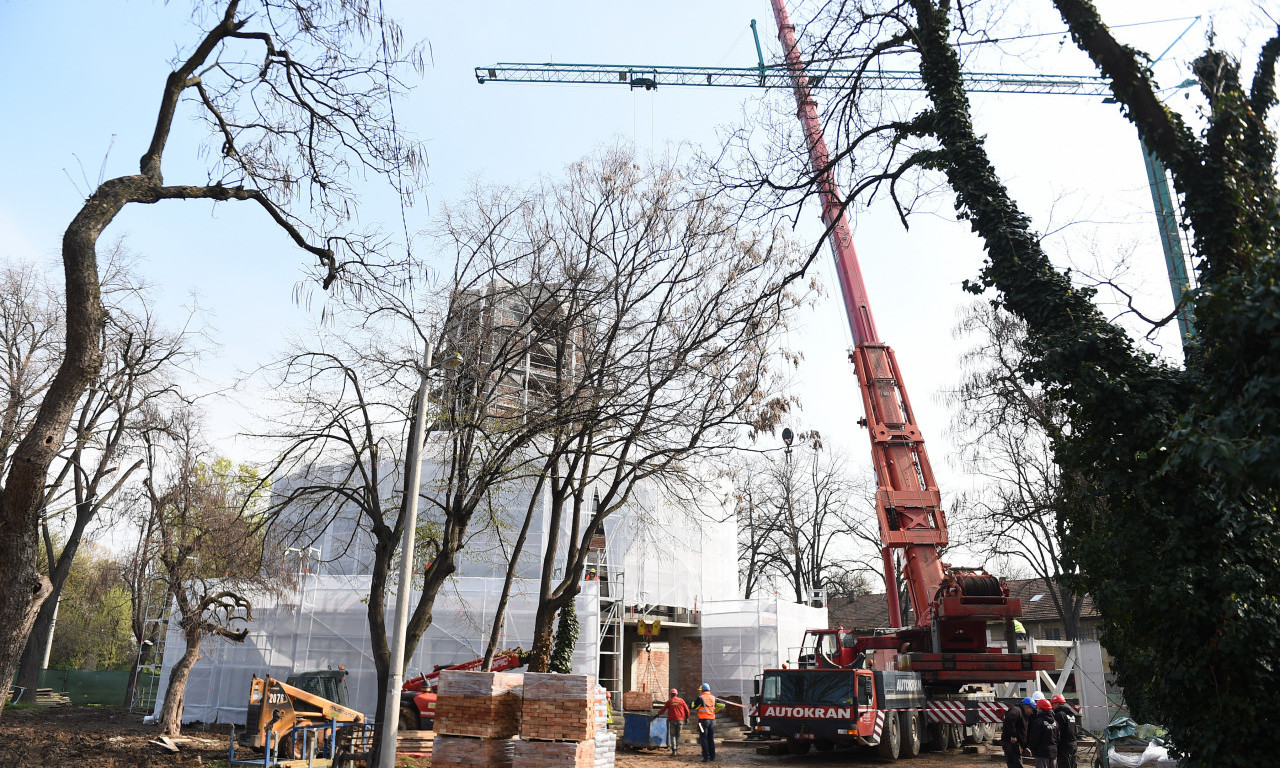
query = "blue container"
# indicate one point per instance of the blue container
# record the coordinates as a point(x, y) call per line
point(643, 730)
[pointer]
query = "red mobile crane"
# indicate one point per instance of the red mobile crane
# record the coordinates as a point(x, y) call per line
point(890, 679)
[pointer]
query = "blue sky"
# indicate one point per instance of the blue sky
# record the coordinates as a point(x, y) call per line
point(78, 73)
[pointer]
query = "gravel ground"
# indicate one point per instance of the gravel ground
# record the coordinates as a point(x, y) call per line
point(102, 737)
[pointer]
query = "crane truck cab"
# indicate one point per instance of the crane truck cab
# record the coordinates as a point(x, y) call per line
point(827, 707)
point(828, 649)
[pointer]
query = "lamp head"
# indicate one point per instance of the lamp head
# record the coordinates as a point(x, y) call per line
point(450, 361)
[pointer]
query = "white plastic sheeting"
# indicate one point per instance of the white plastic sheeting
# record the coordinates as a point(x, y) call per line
point(324, 625)
point(677, 554)
point(741, 638)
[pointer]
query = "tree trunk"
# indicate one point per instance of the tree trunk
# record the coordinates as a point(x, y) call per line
point(33, 654)
point(499, 615)
point(32, 662)
point(544, 637)
point(377, 614)
point(566, 639)
point(23, 589)
point(171, 712)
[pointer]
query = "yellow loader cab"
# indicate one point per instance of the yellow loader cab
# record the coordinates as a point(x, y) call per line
point(307, 698)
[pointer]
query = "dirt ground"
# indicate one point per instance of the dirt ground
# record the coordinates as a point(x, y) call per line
point(101, 737)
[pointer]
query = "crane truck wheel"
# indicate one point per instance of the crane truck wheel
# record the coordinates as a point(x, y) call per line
point(409, 719)
point(934, 737)
point(890, 738)
point(798, 746)
point(909, 725)
point(955, 735)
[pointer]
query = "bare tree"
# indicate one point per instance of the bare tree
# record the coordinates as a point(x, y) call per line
point(804, 518)
point(759, 526)
point(208, 544)
point(140, 365)
point(658, 324)
point(30, 331)
point(346, 401)
point(1004, 426)
point(295, 95)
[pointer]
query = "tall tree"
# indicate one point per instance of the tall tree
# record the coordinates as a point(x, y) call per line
point(658, 328)
point(1178, 542)
point(295, 94)
point(141, 362)
point(347, 399)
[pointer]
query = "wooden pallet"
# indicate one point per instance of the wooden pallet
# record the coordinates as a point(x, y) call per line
point(415, 743)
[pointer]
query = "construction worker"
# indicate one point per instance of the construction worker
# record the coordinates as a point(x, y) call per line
point(1068, 729)
point(705, 706)
point(1042, 735)
point(1013, 733)
point(677, 712)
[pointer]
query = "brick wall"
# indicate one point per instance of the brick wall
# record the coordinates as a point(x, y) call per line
point(651, 670)
point(690, 675)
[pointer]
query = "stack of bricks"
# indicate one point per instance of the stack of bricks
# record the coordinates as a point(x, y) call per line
point(593, 753)
point(637, 701)
point(554, 754)
point(559, 722)
point(601, 706)
point(466, 752)
point(558, 707)
point(477, 718)
point(606, 747)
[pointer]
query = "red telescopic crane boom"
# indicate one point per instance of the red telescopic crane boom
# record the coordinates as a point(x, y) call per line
point(908, 504)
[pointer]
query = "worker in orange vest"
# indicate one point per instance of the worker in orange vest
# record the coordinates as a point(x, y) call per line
point(705, 707)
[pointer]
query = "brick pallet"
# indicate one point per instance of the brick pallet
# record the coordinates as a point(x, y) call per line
point(637, 701)
point(554, 754)
point(558, 707)
point(482, 704)
point(593, 753)
point(466, 752)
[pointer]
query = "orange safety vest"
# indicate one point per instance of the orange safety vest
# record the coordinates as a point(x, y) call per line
point(707, 708)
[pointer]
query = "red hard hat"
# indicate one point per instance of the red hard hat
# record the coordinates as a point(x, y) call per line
point(674, 692)
point(1044, 704)
point(1059, 699)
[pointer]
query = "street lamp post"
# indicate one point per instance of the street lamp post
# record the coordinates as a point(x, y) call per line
point(391, 709)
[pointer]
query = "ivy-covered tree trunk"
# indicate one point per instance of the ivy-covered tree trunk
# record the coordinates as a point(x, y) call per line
point(566, 639)
point(543, 639)
point(1180, 553)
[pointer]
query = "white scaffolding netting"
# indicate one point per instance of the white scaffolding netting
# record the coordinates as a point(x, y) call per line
point(742, 638)
point(324, 625)
point(674, 556)
point(678, 554)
